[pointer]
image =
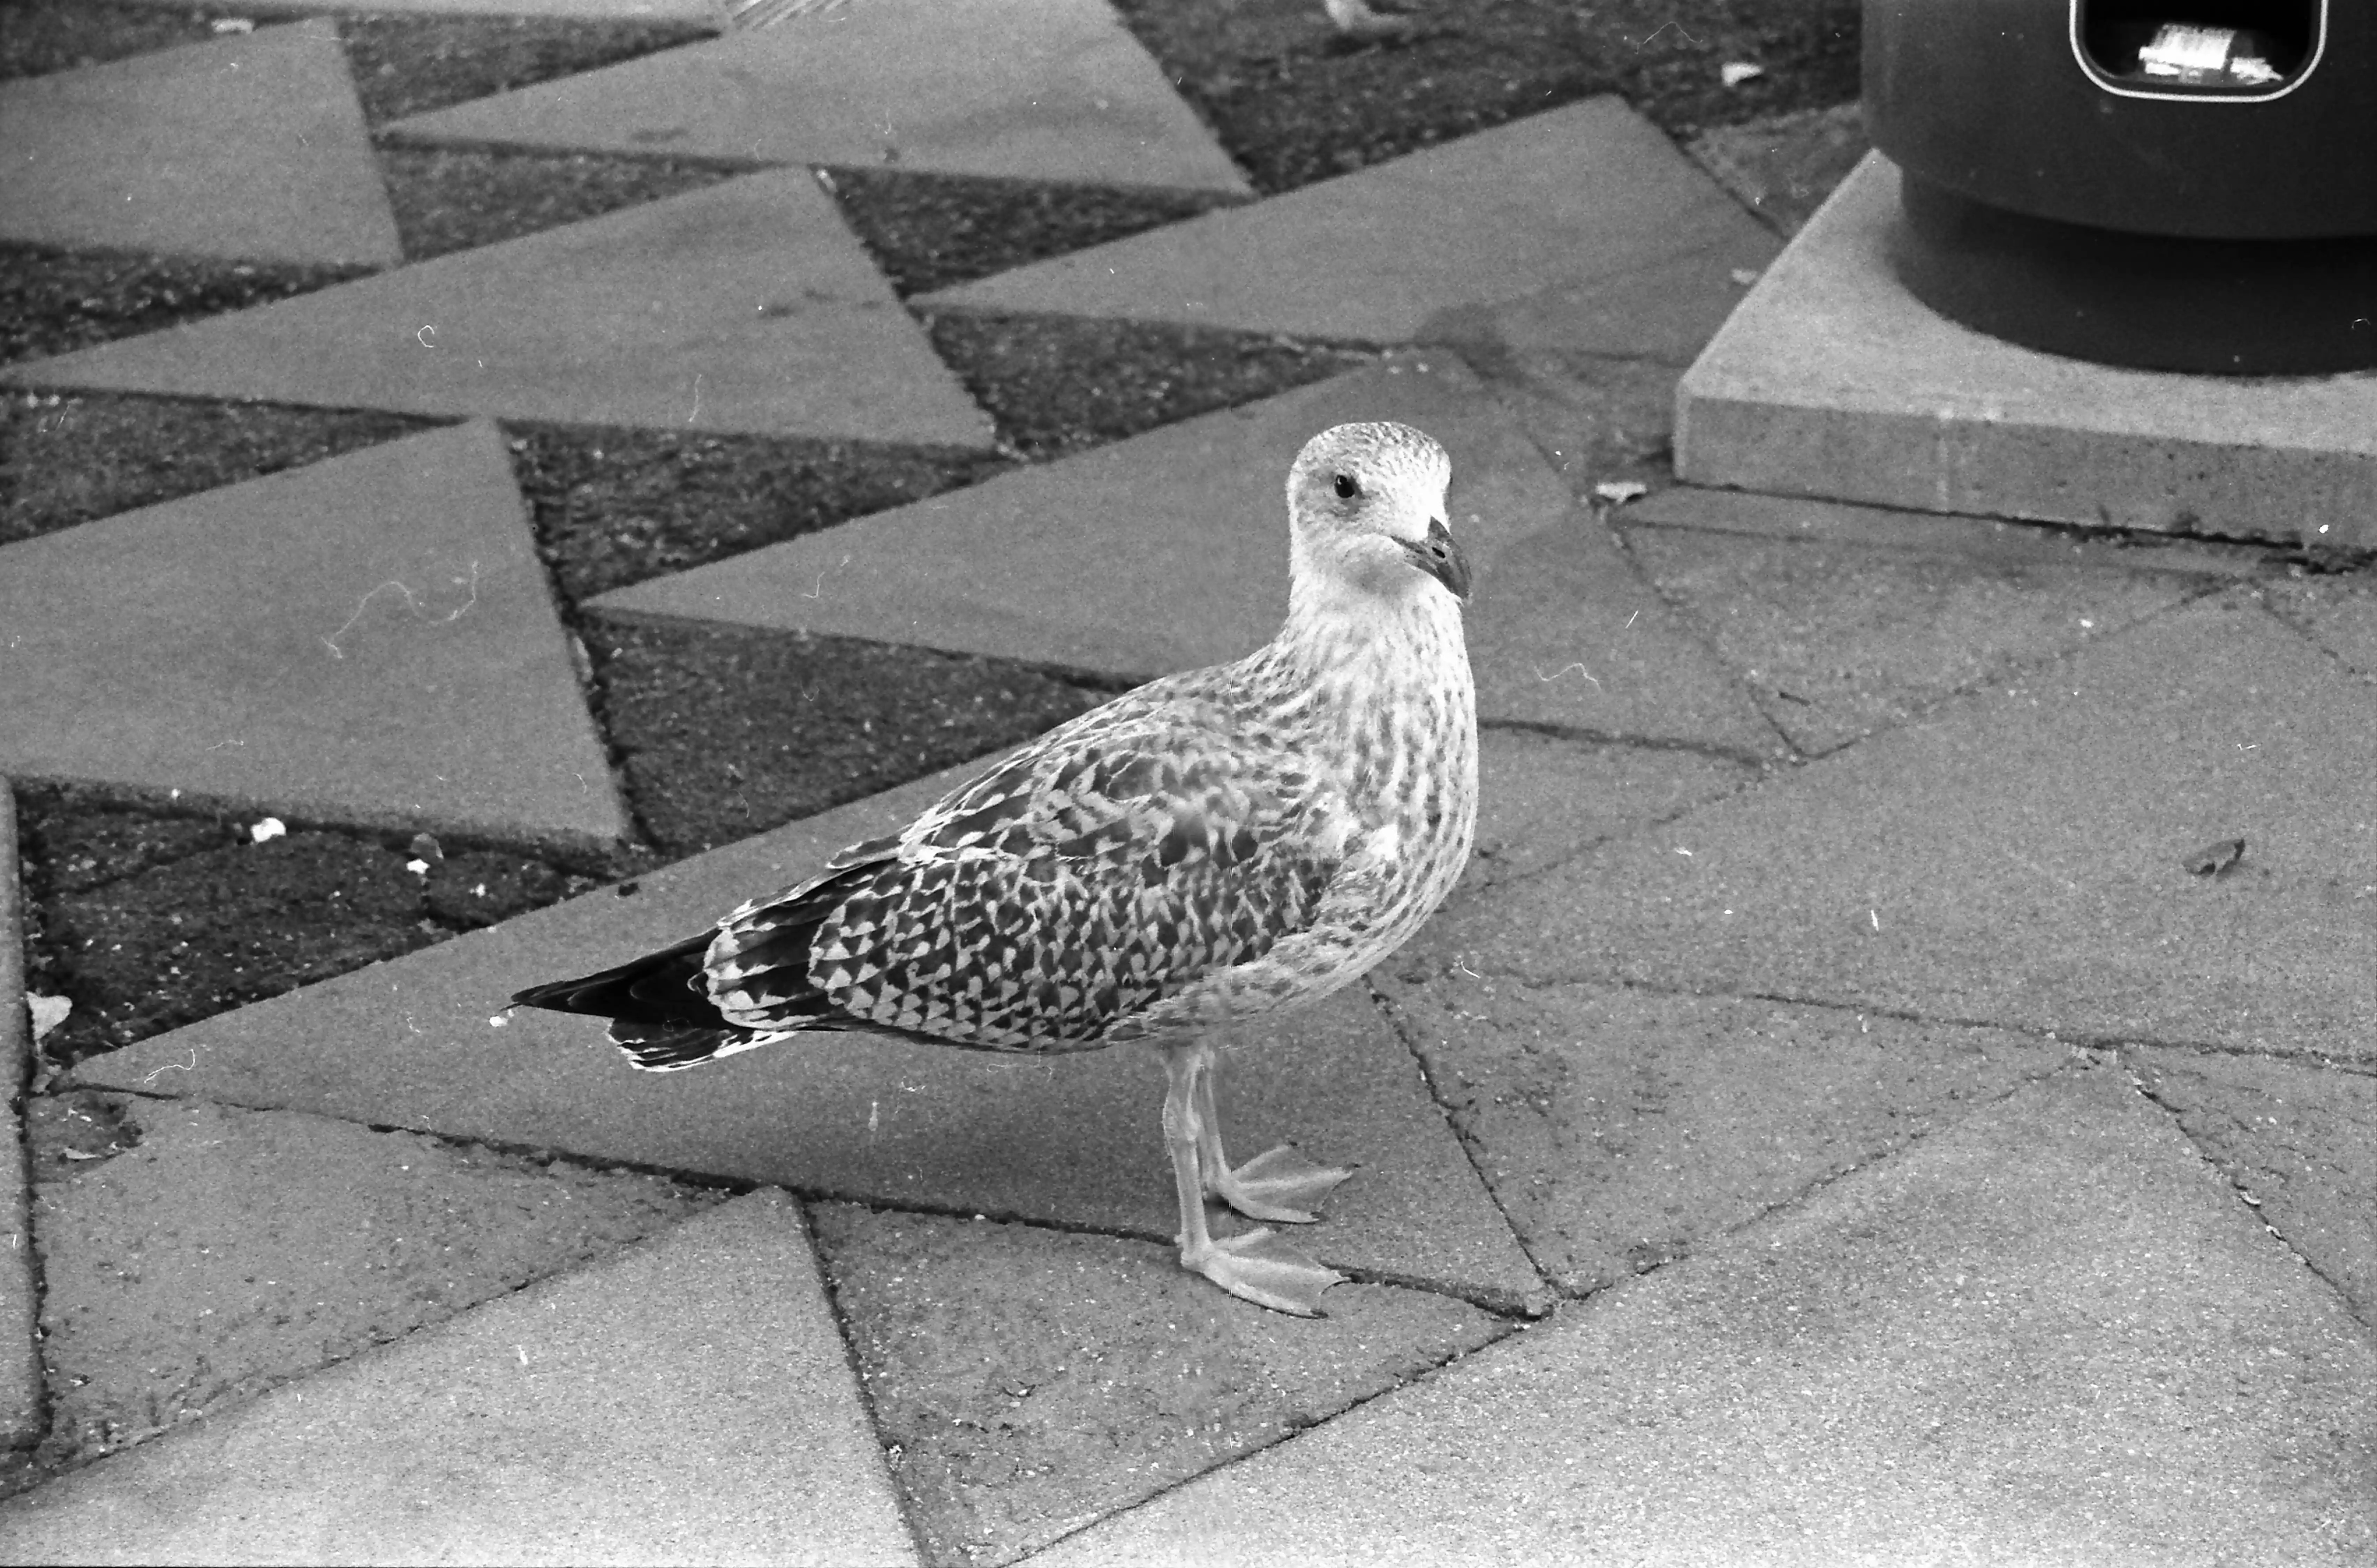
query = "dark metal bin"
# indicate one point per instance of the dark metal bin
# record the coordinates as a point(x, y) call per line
point(2185, 184)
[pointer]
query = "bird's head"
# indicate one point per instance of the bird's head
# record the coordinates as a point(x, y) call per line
point(1366, 508)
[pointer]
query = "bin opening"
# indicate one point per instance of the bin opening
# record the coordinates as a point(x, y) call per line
point(2210, 48)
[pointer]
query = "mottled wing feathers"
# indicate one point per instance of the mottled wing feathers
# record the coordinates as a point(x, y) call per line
point(1052, 899)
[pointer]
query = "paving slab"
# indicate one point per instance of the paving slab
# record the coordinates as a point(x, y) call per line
point(1597, 420)
point(1835, 640)
point(1071, 1140)
point(1622, 1129)
point(1031, 1381)
point(1035, 89)
point(2019, 857)
point(686, 1401)
point(1665, 310)
point(1588, 191)
point(2339, 614)
point(164, 1296)
point(1832, 380)
point(369, 638)
point(251, 147)
point(2046, 1335)
point(1169, 551)
point(2299, 1139)
point(1546, 799)
point(21, 1415)
point(591, 10)
point(746, 306)
point(1782, 166)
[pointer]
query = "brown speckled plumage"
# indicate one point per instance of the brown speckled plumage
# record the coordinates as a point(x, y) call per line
point(1207, 847)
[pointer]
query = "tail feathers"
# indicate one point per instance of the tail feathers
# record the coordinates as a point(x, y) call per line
point(660, 1047)
point(660, 988)
point(659, 1004)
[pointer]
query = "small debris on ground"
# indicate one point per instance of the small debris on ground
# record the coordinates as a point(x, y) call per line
point(1733, 73)
point(270, 828)
point(48, 1012)
point(2213, 859)
point(1617, 492)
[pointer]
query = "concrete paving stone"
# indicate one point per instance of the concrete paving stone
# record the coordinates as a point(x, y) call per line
point(1590, 191)
point(1035, 89)
point(1832, 380)
point(1835, 640)
point(1621, 1130)
point(2339, 614)
point(591, 10)
point(1664, 310)
point(1168, 551)
point(1031, 1381)
point(21, 1359)
point(1994, 539)
point(1543, 799)
point(1597, 420)
point(686, 1401)
point(2298, 1139)
point(2048, 1335)
point(250, 147)
point(1784, 166)
point(2018, 856)
point(1072, 1140)
point(746, 307)
point(166, 1297)
point(368, 639)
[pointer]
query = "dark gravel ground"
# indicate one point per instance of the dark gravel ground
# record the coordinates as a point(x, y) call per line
point(150, 915)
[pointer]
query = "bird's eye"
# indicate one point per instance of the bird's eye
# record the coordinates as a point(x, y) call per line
point(1347, 486)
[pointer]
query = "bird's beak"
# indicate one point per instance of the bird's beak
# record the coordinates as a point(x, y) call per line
point(1442, 558)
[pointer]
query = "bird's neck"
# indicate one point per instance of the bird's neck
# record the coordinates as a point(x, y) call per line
point(1350, 651)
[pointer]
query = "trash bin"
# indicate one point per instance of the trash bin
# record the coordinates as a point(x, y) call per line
point(2179, 185)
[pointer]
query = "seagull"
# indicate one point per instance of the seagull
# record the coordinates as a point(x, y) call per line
point(1196, 853)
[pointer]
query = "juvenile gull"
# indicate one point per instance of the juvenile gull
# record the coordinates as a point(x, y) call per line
point(1203, 849)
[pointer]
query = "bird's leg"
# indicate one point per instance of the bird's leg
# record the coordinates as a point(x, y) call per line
point(1260, 1266)
point(1275, 1185)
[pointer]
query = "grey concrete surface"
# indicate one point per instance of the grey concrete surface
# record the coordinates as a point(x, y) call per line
point(1621, 1130)
point(748, 306)
point(687, 1401)
point(1665, 310)
point(2338, 615)
point(1544, 798)
point(1838, 640)
point(2046, 1335)
point(2299, 1138)
point(1587, 191)
point(1832, 380)
point(1782, 166)
point(368, 639)
point(251, 147)
point(1169, 551)
point(21, 1385)
point(1035, 89)
point(165, 1298)
point(1073, 1140)
point(2017, 857)
point(1033, 1380)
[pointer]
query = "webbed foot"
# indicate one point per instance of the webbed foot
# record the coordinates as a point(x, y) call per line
point(1263, 1267)
point(1279, 1184)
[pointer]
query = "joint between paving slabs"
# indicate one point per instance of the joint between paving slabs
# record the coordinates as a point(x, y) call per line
point(890, 1451)
point(2078, 1057)
point(1394, 1020)
point(1438, 1366)
point(2236, 1183)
